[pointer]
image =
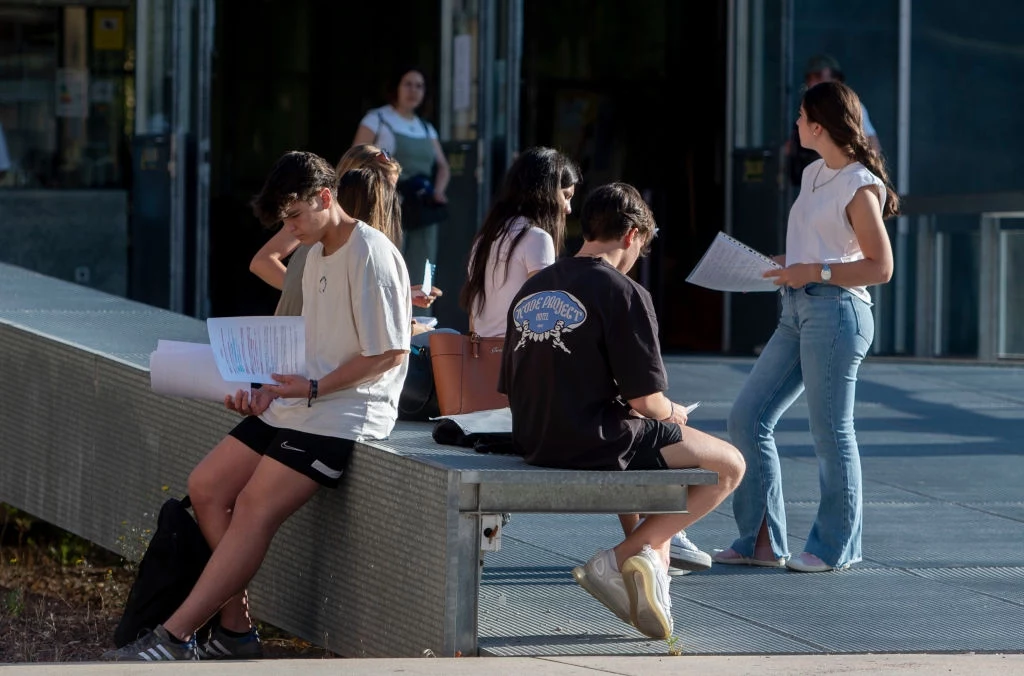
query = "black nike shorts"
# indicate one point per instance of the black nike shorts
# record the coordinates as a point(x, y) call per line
point(647, 446)
point(322, 459)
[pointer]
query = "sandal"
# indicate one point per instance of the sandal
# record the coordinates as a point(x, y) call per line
point(731, 557)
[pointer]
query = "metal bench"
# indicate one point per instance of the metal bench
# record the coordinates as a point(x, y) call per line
point(388, 565)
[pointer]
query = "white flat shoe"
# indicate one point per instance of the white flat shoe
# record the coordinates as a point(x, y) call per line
point(808, 563)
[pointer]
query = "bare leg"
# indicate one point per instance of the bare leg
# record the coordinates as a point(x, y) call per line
point(697, 449)
point(273, 494)
point(763, 545)
point(629, 522)
point(214, 486)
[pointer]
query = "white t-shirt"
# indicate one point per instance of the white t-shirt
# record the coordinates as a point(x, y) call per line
point(818, 229)
point(535, 251)
point(414, 128)
point(356, 301)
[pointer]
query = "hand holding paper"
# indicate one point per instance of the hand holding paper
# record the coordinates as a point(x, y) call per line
point(730, 265)
point(249, 402)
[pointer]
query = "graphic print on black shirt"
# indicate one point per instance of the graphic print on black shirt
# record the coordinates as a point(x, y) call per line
point(581, 338)
point(548, 315)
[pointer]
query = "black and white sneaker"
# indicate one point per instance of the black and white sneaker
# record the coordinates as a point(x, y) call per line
point(224, 647)
point(155, 646)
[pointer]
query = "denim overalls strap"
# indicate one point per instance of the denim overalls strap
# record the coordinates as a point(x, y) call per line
point(416, 155)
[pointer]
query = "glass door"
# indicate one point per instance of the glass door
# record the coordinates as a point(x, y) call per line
point(479, 122)
point(757, 127)
point(172, 135)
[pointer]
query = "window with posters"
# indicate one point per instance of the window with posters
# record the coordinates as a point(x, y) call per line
point(66, 74)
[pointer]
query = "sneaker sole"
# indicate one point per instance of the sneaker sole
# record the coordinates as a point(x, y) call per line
point(696, 562)
point(641, 581)
point(580, 574)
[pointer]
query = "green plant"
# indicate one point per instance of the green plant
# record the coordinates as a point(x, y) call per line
point(14, 602)
point(674, 648)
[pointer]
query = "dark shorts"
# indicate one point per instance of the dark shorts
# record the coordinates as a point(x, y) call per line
point(322, 459)
point(646, 448)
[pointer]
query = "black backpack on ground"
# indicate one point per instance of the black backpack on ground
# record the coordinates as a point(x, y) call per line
point(174, 559)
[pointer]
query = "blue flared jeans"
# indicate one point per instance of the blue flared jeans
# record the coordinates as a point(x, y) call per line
point(824, 333)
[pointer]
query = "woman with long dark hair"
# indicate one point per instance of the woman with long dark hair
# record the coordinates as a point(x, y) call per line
point(836, 247)
point(523, 232)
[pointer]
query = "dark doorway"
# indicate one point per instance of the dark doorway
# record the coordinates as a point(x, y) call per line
point(636, 92)
point(295, 75)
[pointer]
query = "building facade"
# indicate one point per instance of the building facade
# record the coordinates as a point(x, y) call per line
point(137, 131)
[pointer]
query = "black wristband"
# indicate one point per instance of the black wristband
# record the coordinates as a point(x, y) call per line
point(314, 387)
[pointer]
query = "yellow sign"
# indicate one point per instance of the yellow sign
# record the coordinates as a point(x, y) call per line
point(108, 29)
point(753, 170)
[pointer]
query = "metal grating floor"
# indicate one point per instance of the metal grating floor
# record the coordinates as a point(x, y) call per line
point(943, 537)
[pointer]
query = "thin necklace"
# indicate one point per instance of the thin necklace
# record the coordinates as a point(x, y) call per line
point(814, 182)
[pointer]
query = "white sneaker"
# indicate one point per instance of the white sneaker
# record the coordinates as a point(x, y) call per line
point(604, 582)
point(684, 555)
point(647, 584)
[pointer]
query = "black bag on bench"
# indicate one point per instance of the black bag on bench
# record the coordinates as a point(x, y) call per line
point(174, 559)
point(447, 432)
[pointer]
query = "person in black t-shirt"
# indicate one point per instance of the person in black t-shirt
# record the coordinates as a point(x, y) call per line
point(583, 372)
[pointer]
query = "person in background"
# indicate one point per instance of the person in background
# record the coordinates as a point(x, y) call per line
point(415, 145)
point(298, 434)
point(583, 372)
point(836, 247)
point(821, 68)
point(268, 263)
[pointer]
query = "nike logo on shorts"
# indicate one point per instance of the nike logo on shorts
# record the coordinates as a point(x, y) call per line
point(288, 447)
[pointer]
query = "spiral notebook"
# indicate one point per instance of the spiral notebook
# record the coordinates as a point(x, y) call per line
point(731, 265)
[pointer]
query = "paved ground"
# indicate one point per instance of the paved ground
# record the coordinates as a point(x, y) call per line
point(941, 588)
point(943, 463)
point(787, 665)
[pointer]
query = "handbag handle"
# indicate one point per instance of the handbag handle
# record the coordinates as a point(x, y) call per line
point(474, 339)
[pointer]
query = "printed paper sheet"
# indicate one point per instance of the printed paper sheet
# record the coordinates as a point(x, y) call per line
point(730, 265)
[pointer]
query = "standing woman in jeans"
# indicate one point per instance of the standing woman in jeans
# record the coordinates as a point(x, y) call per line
point(415, 145)
point(836, 246)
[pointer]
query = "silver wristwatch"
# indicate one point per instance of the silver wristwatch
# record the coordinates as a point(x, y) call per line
point(826, 272)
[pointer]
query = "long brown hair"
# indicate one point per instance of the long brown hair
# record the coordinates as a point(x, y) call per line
point(367, 194)
point(836, 107)
point(369, 155)
point(531, 189)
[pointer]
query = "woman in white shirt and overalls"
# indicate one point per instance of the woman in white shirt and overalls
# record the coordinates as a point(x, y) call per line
point(414, 143)
point(836, 247)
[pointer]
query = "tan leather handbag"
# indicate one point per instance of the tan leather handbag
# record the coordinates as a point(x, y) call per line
point(466, 369)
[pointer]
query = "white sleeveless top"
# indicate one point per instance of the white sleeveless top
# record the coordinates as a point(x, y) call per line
point(818, 229)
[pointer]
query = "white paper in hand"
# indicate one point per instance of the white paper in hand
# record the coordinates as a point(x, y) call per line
point(187, 370)
point(428, 277)
point(730, 265)
point(249, 349)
